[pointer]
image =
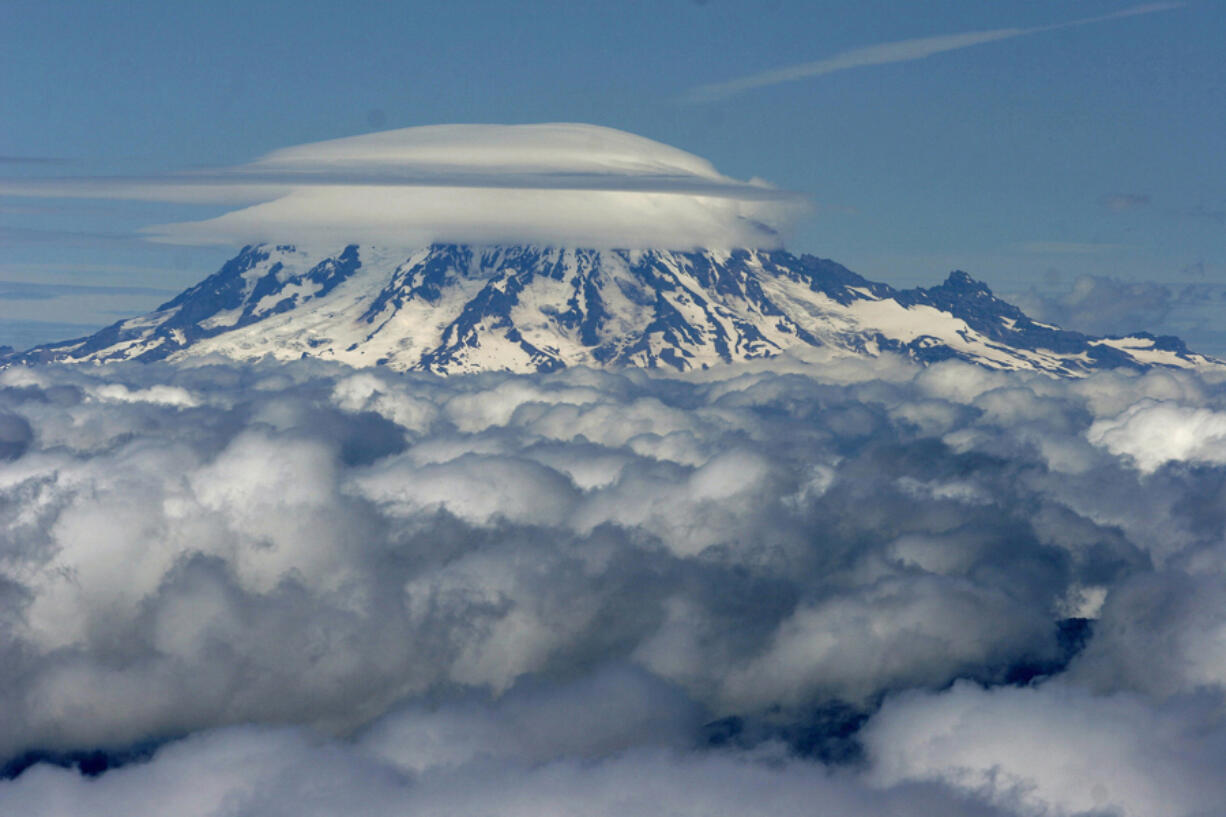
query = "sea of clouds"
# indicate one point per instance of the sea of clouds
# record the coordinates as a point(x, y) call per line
point(849, 588)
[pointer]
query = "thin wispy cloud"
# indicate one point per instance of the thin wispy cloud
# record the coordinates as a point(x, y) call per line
point(1122, 202)
point(37, 291)
point(1069, 247)
point(899, 51)
point(32, 160)
point(69, 238)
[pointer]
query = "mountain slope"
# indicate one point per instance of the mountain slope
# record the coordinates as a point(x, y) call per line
point(450, 308)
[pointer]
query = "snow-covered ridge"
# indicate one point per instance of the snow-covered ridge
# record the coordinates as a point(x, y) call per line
point(451, 308)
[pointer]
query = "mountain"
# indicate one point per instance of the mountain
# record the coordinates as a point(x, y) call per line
point(451, 308)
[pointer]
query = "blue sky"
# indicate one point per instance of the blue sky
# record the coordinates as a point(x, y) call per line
point(1045, 152)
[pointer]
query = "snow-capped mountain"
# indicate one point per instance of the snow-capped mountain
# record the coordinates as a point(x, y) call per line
point(450, 309)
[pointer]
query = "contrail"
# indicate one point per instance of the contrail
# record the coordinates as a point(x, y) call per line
point(900, 51)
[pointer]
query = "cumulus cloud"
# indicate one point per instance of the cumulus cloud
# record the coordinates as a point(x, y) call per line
point(1162, 633)
point(1056, 750)
point(1103, 305)
point(282, 772)
point(300, 584)
point(1100, 305)
point(1153, 433)
point(562, 183)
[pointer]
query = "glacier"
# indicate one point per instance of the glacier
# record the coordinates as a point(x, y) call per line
point(454, 308)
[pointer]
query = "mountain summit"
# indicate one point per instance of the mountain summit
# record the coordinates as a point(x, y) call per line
point(452, 308)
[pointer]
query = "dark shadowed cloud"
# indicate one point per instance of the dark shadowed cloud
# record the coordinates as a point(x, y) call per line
point(1100, 305)
point(1103, 305)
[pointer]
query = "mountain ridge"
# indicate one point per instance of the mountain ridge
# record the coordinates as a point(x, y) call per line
point(451, 308)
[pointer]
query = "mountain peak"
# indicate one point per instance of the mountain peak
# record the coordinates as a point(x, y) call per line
point(963, 281)
point(453, 308)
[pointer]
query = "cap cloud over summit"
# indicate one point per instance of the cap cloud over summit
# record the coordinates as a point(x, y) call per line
point(555, 184)
point(500, 591)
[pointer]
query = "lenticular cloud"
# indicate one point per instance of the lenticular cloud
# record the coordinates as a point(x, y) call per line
point(857, 586)
point(568, 184)
point(554, 184)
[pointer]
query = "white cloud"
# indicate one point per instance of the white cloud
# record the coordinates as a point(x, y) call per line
point(557, 184)
point(1055, 750)
point(475, 594)
point(900, 51)
point(1153, 433)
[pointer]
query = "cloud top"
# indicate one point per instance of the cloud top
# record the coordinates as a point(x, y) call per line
point(556, 184)
point(307, 589)
point(558, 148)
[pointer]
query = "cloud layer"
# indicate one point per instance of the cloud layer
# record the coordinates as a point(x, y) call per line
point(556, 184)
point(1101, 305)
point(283, 587)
